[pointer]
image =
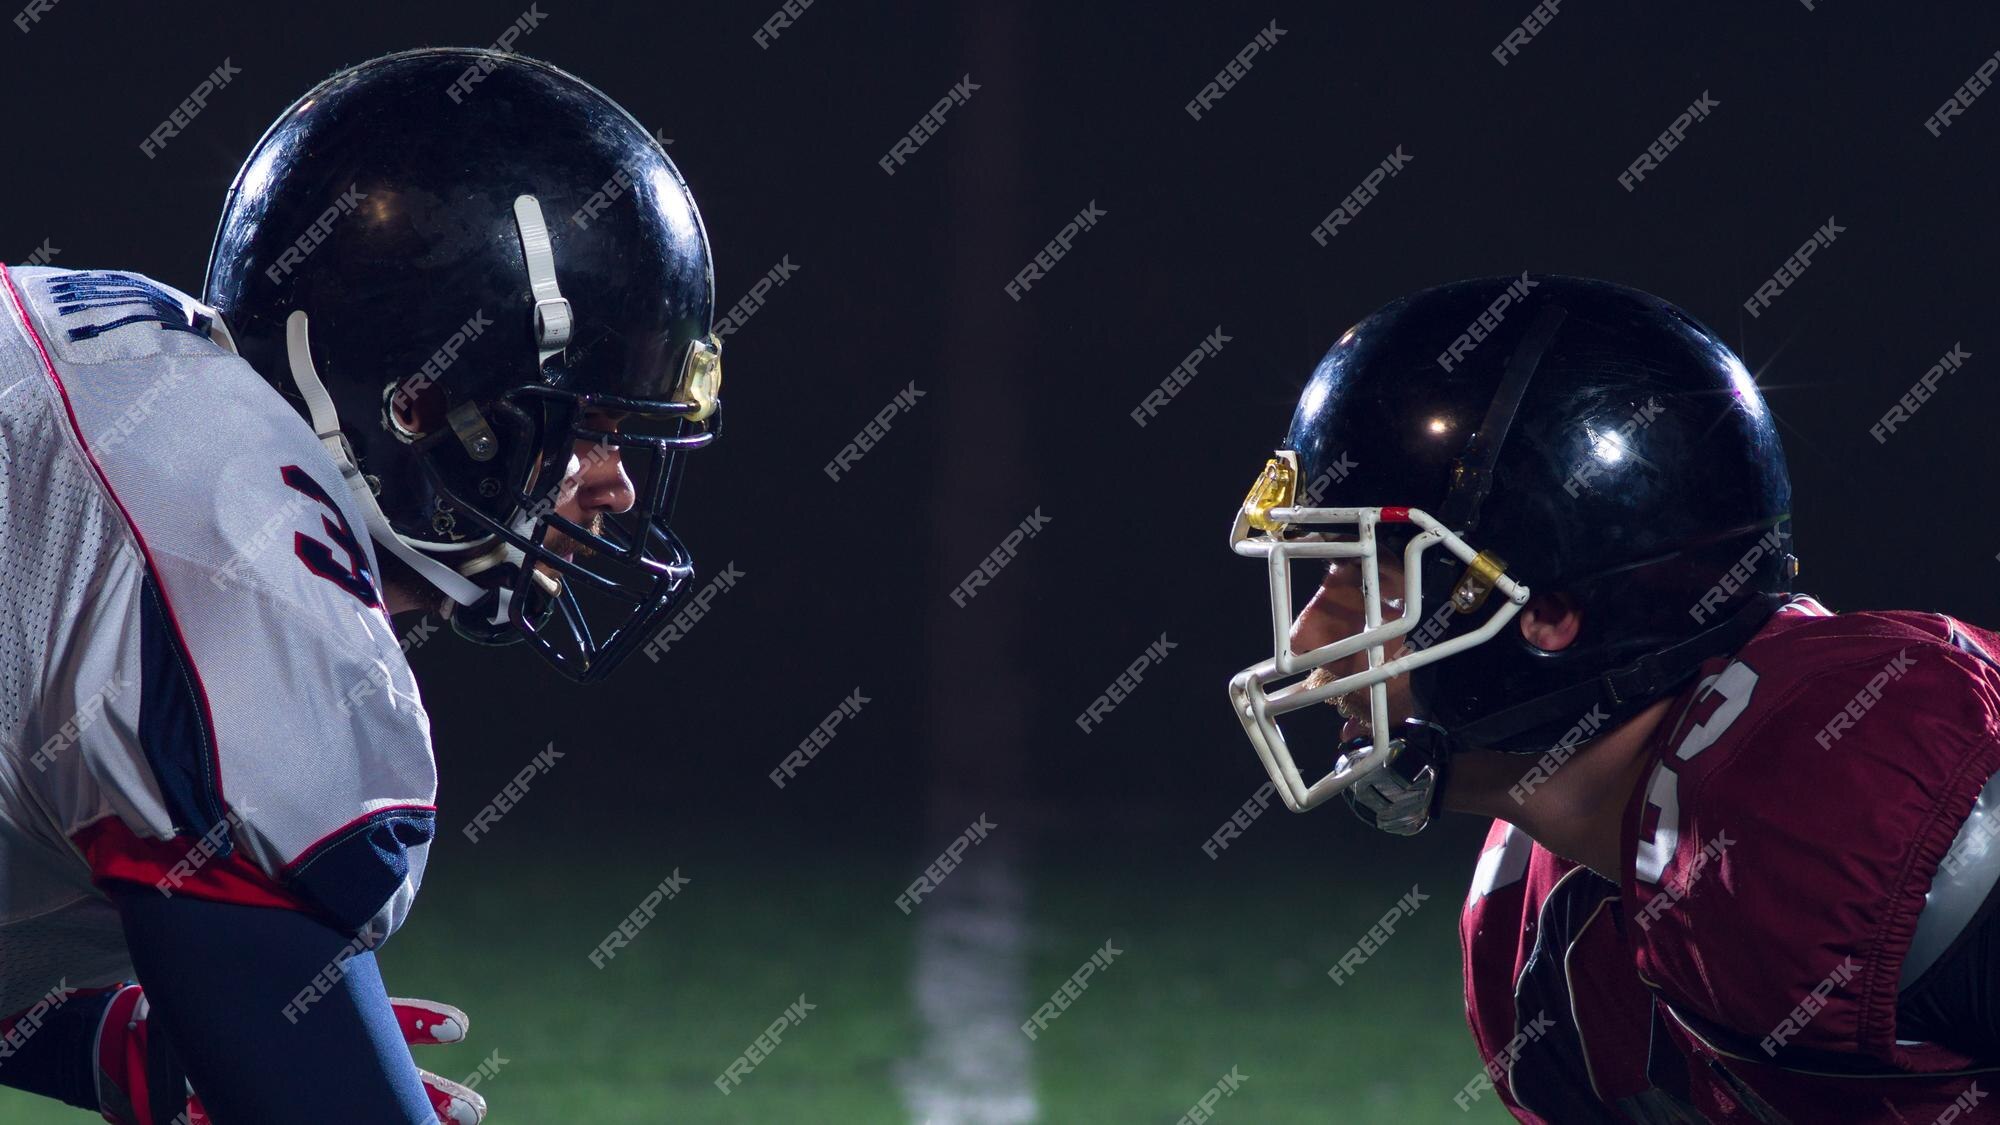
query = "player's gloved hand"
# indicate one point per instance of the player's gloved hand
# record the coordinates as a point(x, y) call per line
point(122, 1059)
point(427, 1022)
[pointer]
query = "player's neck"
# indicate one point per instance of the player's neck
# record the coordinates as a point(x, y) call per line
point(397, 601)
point(1576, 810)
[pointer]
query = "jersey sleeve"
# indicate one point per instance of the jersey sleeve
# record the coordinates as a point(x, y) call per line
point(263, 738)
point(1559, 1015)
point(293, 735)
point(1782, 847)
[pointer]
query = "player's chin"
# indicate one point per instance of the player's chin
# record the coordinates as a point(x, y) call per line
point(566, 547)
point(1358, 726)
point(562, 547)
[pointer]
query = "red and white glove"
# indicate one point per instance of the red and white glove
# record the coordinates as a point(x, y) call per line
point(121, 1062)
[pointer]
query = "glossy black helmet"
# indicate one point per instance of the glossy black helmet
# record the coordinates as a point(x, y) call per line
point(1521, 435)
point(457, 264)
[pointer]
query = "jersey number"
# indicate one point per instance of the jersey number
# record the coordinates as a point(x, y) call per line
point(351, 575)
point(1728, 694)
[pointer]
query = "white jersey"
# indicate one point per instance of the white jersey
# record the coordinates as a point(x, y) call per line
point(199, 689)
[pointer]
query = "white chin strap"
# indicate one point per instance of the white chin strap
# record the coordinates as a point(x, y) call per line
point(326, 423)
point(552, 312)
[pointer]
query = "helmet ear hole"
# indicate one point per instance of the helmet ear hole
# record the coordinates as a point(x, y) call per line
point(413, 412)
point(1550, 621)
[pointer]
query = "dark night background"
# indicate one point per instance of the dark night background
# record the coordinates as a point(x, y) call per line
point(1026, 407)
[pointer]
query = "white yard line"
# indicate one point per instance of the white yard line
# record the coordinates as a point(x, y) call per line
point(970, 988)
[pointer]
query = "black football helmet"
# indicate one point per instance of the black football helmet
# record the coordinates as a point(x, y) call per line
point(1506, 436)
point(458, 264)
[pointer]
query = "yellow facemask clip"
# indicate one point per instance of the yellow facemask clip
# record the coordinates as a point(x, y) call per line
point(1276, 487)
point(701, 377)
point(1478, 581)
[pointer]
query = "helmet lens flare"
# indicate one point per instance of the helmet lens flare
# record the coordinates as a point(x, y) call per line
point(1264, 692)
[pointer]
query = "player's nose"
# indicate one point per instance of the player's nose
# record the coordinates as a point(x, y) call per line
point(602, 485)
point(1327, 618)
point(1334, 613)
point(1318, 624)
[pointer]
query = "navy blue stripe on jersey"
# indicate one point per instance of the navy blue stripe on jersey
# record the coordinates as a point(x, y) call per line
point(352, 874)
point(81, 292)
point(1967, 644)
point(173, 725)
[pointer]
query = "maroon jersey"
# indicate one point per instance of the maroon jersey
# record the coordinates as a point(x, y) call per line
point(1775, 866)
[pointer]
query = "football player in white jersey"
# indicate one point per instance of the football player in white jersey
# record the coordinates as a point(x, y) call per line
point(454, 342)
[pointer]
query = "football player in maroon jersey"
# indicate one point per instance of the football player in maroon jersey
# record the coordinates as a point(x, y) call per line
point(1742, 846)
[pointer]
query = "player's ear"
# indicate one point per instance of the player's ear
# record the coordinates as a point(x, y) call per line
point(1550, 621)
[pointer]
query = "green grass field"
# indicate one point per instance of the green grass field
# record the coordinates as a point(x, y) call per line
point(1224, 969)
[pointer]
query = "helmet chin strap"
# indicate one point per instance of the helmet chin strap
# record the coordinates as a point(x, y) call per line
point(553, 317)
point(326, 424)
